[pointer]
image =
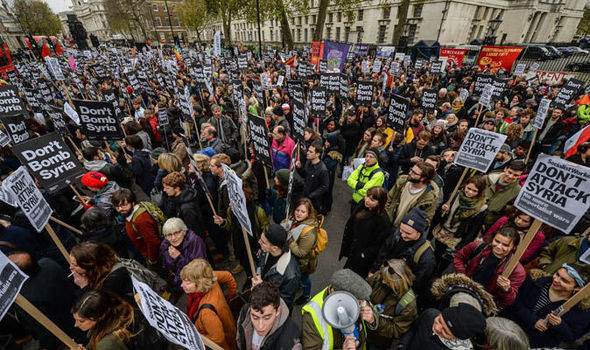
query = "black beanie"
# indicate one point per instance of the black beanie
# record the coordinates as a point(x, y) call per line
point(276, 235)
point(278, 110)
point(464, 321)
point(416, 218)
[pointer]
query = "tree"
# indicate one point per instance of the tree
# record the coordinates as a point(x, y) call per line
point(226, 10)
point(280, 10)
point(36, 17)
point(403, 15)
point(193, 13)
point(584, 25)
point(345, 6)
point(127, 15)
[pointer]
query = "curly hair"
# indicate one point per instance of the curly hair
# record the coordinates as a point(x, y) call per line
point(97, 259)
point(200, 272)
point(174, 179)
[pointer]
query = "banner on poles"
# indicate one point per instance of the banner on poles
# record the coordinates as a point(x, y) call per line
point(556, 192)
point(28, 197)
point(335, 55)
point(237, 198)
point(497, 57)
point(167, 318)
point(50, 160)
point(11, 282)
point(479, 149)
point(98, 120)
point(364, 93)
point(429, 97)
point(397, 112)
point(260, 140)
point(16, 128)
point(10, 102)
point(454, 55)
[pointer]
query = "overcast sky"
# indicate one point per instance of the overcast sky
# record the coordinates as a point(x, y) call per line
point(59, 5)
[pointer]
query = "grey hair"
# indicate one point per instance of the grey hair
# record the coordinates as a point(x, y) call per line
point(93, 219)
point(504, 334)
point(173, 224)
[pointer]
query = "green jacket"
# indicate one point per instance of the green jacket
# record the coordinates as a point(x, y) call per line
point(389, 325)
point(257, 227)
point(108, 342)
point(302, 248)
point(361, 176)
point(426, 201)
point(563, 250)
point(498, 200)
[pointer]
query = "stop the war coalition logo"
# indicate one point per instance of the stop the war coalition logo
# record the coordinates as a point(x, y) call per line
point(98, 120)
point(50, 160)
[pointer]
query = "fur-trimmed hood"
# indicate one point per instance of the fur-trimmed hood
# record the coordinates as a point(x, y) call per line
point(447, 285)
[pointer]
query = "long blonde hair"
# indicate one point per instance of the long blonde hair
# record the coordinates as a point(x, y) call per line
point(397, 275)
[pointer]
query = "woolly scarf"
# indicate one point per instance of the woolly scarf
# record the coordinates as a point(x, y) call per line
point(457, 108)
point(467, 207)
point(192, 307)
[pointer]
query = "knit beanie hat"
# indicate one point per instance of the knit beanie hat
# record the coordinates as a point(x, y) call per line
point(349, 281)
point(416, 218)
point(464, 321)
point(374, 151)
point(276, 235)
point(283, 177)
point(277, 110)
point(94, 179)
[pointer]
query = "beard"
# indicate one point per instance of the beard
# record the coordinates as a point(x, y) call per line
point(414, 181)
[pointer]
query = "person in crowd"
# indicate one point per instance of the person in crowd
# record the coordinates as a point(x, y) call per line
point(282, 148)
point(365, 232)
point(302, 239)
point(141, 227)
point(207, 306)
point(178, 146)
point(97, 227)
point(132, 127)
point(279, 119)
point(317, 179)
point(551, 133)
point(179, 247)
point(566, 250)
point(276, 264)
point(521, 222)
point(392, 288)
point(457, 327)
point(183, 202)
point(141, 163)
point(485, 262)
point(460, 222)
point(225, 126)
point(351, 132)
point(408, 242)
point(364, 143)
point(331, 157)
point(106, 318)
point(413, 190)
point(502, 189)
point(538, 301)
point(503, 157)
point(416, 122)
point(103, 190)
point(213, 141)
point(264, 322)
point(167, 163)
point(366, 176)
point(316, 332)
point(276, 196)
point(415, 151)
point(438, 140)
point(521, 149)
point(95, 161)
point(504, 334)
point(219, 236)
point(582, 156)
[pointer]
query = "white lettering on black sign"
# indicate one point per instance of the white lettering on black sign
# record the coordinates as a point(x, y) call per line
point(480, 82)
point(237, 198)
point(318, 101)
point(569, 91)
point(299, 121)
point(11, 282)
point(16, 128)
point(364, 93)
point(397, 112)
point(259, 136)
point(479, 149)
point(429, 100)
point(98, 120)
point(10, 102)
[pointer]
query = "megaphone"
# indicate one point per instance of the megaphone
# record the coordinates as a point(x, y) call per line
point(341, 310)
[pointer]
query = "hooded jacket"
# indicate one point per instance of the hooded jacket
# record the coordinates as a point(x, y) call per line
point(498, 199)
point(426, 201)
point(192, 247)
point(302, 240)
point(112, 171)
point(186, 207)
point(284, 274)
point(141, 165)
point(103, 198)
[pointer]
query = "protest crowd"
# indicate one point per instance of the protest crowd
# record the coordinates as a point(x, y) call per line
point(179, 196)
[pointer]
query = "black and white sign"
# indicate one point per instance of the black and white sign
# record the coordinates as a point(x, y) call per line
point(541, 113)
point(377, 66)
point(418, 64)
point(334, 84)
point(323, 66)
point(163, 117)
point(237, 198)
point(394, 68)
point(50, 160)
point(243, 62)
point(98, 120)
point(296, 92)
point(533, 68)
point(436, 68)
point(16, 128)
point(10, 102)
point(54, 67)
point(499, 85)
point(365, 66)
point(464, 94)
point(167, 318)
point(481, 80)
point(109, 96)
point(343, 85)
point(486, 95)
point(319, 99)
point(299, 121)
point(429, 100)
point(28, 197)
point(569, 91)
point(4, 139)
point(59, 121)
point(556, 192)
point(519, 70)
point(259, 137)
point(364, 93)
point(11, 282)
point(397, 112)
point(479, 149)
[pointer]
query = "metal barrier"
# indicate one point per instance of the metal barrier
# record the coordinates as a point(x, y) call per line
point(577, 64)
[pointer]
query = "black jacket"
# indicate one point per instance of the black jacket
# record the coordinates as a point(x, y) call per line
point(351, 132)
point(553, 133)
point(141, 165)
point(186, 207)
point(410, 150)
point(317, 182)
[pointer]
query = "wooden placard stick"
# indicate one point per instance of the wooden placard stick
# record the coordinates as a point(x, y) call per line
point(45, 322)
point(249, 251)
point(585, 233)
point(575, 299)
point(528, 154)
point(57, 242)
point(66, 225)
point(522, 246)
point(74, 145)
point(124, 151)
point(478, 113)
point(109, 150)
point(266, 176)
point(78, 194)
point(457, 187)
point(197, 131)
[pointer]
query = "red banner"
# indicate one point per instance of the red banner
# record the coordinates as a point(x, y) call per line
point(498, 57)
point(317, 51)
point(454, 55)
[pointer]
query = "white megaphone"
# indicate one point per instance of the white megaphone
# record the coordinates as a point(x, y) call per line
point(341, 310)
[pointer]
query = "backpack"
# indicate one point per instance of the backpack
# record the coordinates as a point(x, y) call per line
point(421, 251)
point(142, 274)
point(321, 241)
point(154, 211)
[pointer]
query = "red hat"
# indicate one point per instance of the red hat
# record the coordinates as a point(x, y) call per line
point(94, 179)
point(129, 89)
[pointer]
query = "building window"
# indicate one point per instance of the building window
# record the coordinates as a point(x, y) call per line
point(479, 32)
point(155, 7)
point(330, 17)
point(176, 22)
point(412, 33)
point(337, 33)
point(485, 13)
point(359, 37)
point(271, 35)
point(164, 8)
point(346, 34)
point(386, 12)
point(167, 21)
point(311, 4)
point(299, 34)
point(477, 13)
point(305, 34)
point(360, 15)
point(306, 19)
point(158, 22)
point(292, 33)
point(381, 37)
point(313, 19)
point(418, 10)
point(472, 33)
point(329, 33)
point(339, 17)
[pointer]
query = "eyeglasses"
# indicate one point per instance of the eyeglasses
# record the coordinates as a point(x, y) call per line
point(415, 173)
point(173, 234)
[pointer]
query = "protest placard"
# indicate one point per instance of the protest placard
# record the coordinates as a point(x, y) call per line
point(10, 102)
point(323, 66)
point(299, 121)
point(418, 64)
point(556, 192)
point(11, 282)
point(259, 137)
point(50, 160)
point(237, 198)
point(334, 84)
point(4, 139)
point(54, 68)
point(397, 112)
point(377, 66)
point(429, 100)
point(486, 95)
point(319, 99)
point(569, 91)
point(59, 122)
point(163, 117)
point(479, 149)
point(394, 69)
point(343, 85)
point(541, 113)
point(98, 120)
point(169, 320)
point(364, 93)
point(22, 187)
point(296, 92)
point(16, 128)
point(71, 112)
point(481, 80)
point(464, 94)
point(436, 68)
point(519, 70)
point(365, 66)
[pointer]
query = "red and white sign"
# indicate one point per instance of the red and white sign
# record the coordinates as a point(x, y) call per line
point(496, 57)
point(454, 55)
point(552, 78)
